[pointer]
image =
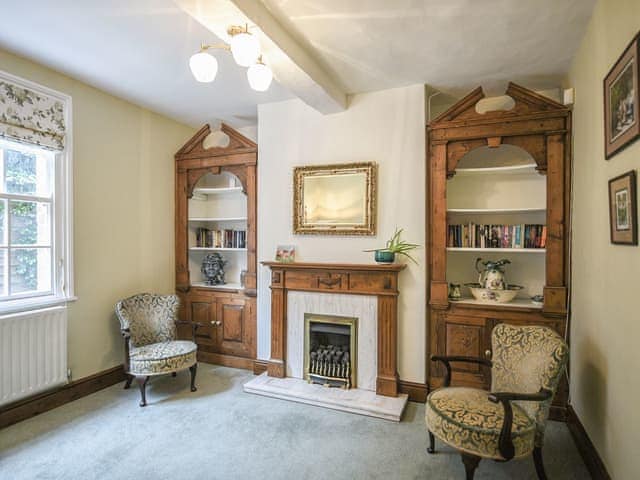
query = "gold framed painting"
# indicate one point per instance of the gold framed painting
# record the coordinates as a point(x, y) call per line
point(623, 217)
point(335, 199)
point(621, 104)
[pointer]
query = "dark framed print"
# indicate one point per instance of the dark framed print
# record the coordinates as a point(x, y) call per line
point(623, 217)
point(621, 106)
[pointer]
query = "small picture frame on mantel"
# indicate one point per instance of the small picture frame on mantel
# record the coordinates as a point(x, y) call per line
point(623, 216)
point(621, 100)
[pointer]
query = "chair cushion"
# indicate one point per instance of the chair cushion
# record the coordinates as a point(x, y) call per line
point(465, 419)
point(163, 357)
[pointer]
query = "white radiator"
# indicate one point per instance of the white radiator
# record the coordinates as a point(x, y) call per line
point(33, 352)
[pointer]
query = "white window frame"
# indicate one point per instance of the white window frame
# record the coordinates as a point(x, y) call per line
point(61, 218)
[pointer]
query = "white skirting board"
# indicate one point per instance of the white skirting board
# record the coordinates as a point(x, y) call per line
point(355, 400)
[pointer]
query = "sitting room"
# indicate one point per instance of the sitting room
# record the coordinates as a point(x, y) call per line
point(356, 239)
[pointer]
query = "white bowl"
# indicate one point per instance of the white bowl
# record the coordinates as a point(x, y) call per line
point(493, 296)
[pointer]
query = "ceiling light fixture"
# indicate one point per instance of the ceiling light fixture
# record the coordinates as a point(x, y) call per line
point(259, 76)
point(204, 66)
point(244, 48)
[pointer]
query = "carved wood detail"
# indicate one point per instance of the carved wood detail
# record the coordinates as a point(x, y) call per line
point(378, 280)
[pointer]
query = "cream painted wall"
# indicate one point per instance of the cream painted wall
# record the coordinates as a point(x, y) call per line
point(605, 358)
point(123, 209)
point(386, 127)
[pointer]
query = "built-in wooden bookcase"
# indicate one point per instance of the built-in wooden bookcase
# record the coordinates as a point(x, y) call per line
point(503, 167)
point(216, 213)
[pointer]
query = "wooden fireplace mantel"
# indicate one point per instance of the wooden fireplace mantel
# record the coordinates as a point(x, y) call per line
point(358, 279)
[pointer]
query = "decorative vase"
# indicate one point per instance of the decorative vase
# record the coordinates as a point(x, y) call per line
point(382, 256)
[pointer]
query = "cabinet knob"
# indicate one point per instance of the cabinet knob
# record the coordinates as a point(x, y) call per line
point(218, 323)
point(487, 353)
point(213, 322)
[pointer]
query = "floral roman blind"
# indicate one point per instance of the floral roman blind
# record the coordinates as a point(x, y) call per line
point(31, 117)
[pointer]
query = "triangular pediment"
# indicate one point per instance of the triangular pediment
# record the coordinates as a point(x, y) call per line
point(526, 102)
point(238, 143)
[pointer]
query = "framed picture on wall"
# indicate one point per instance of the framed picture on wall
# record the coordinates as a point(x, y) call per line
point(621, 105)
point(623, 217)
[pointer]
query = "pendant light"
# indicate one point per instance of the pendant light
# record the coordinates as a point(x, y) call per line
point(204, 66)
point(245, 47)
point(259, 76)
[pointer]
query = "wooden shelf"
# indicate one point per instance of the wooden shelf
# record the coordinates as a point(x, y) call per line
point(210, 219)
point(516, 302)
point(226, 286)
point(509, 170)
point(510, 250)
point(217, 249)
point(216, 191)
point(493, 211)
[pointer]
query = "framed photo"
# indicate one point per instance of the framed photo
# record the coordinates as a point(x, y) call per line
point(621, 105)
point(335, 199)
point(286, 253)
point(623, 217)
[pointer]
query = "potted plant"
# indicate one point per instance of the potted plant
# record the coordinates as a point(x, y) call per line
point(395, 245)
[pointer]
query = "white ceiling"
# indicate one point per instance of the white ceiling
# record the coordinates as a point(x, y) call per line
point(135, 49)
point(139, 49)
point(452, 45)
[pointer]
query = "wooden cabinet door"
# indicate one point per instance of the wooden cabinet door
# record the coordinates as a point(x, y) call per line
point(202, 310)
point(467, 336)
point(233, 336)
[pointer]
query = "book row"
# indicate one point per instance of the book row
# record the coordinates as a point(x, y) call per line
point(221, 238)
point(473, 235)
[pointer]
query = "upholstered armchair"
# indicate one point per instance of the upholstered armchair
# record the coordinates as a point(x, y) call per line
point(509, 421)
point(148, 325)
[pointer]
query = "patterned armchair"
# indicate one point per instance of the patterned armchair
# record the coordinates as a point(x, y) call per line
point(148, 325)
point(509, 421)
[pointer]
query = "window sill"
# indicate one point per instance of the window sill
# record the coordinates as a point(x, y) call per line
point(24, 306)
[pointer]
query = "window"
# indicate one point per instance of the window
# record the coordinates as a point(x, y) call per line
point(26, 221)
point(35, 196)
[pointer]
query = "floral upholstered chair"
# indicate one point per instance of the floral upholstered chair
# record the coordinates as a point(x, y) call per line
point(509, 421)
point(148, 325)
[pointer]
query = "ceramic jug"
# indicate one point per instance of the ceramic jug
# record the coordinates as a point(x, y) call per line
point(492, 276)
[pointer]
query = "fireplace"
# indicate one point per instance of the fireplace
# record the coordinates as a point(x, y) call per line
point(346, 316)
point(330, 350)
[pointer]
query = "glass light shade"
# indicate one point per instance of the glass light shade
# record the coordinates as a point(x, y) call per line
point(245, 49)
point(259, 76)
point(203, 66)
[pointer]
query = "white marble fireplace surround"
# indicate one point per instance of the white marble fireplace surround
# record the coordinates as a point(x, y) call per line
point(362, 307)
point(362, 400)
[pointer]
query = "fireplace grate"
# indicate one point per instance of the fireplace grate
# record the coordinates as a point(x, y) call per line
point(330, 365)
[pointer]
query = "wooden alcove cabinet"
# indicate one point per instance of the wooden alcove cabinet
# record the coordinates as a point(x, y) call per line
point(226, 314)
point(541, 127)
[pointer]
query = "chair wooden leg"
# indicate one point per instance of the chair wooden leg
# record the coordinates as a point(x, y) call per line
point(470, 464)
point(127, 383)
point(432, 443)
point(142, 383)
point(537, 460)
point(193, 369)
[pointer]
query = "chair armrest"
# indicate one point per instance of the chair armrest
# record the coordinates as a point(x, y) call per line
point(446, 360)
point(194, 327)
point(505, 442)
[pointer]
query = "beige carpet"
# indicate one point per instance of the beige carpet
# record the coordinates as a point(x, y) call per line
point(220, 432)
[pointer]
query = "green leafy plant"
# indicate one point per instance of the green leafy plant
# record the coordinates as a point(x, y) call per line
point(398, 246)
